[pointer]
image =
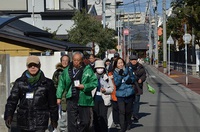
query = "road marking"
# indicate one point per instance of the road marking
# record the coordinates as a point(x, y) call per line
point(152, 76)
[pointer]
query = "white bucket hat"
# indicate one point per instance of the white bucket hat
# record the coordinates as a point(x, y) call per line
point(99, 64)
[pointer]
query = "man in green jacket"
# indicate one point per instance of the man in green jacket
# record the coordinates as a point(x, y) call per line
point(78, 80)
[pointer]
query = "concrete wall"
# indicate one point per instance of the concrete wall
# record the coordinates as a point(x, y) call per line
point(12, 68)
point(18, 65)
point(4, 88)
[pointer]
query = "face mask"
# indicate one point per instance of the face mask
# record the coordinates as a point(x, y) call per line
point(100, 70)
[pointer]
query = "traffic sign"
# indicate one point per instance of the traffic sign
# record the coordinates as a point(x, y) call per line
point(170, 40)
point(126, 31)
point(187, 38)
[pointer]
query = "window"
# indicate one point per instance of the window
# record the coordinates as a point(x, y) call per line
point(108, 6)
point(59, 4)
point(108, 18)
point(13, 5)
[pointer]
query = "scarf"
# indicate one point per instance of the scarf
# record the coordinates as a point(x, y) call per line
point(33, 79)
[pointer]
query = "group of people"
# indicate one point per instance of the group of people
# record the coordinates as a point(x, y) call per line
point(80, 93)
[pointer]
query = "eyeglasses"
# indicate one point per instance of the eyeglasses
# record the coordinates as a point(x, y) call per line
point(33, 65)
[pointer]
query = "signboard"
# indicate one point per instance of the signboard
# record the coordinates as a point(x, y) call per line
point(170, 40)
point(126, 31)
point(95, 48)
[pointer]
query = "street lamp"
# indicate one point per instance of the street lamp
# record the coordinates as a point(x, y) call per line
point(187, 38)
point(169, 42)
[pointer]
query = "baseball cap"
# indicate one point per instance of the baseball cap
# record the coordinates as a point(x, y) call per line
point(116, 55)
point(32, 59)
point(133, 57)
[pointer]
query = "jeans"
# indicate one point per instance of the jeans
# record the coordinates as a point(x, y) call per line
point(100, 117)
point(115, 112)
point(125, 111)
point(136, 106)
point(63, 122)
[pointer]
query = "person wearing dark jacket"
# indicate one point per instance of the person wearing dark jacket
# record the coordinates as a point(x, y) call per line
point(34, 97)
point(140, 75)
point(110, 68)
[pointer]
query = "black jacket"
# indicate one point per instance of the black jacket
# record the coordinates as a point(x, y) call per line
point(139, 72)
point(32, 114)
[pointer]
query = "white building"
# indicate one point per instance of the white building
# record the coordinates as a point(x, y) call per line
point(51, 15)
point(134, 18)
point(111, 7)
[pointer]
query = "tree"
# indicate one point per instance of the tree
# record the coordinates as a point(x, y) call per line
point(185, 12)
point(87, 28)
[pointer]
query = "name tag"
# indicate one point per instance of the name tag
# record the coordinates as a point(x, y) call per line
point(99, 93)
point(76, 82)
point(29, 95)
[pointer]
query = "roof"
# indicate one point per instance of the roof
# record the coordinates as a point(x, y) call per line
point(24, 34)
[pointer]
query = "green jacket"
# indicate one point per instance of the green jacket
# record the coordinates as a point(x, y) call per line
point(89, 80)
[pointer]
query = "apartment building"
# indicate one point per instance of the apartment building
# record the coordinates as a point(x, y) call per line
point(112, 8)
point(134, 17)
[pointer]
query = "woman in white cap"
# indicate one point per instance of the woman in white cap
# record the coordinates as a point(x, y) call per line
point(102, 97)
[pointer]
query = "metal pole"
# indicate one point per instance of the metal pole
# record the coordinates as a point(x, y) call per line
point(186, 68)
point(118, 33)
point(33, 15)
point(103, 13)
point(150, 40)
point(128, 44)
point(156, 36)
point(169, 60)
point(124, 48)
point(164, 38)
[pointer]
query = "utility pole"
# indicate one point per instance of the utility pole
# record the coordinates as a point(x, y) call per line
point(128, 39)
point(33, 12)
point(118, 32)
point(104, 13)
point(164, 38)
point(150, 40)
point(156, 33)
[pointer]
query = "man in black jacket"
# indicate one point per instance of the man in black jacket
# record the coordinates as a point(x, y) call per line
point(140, 75)
point(34, 96)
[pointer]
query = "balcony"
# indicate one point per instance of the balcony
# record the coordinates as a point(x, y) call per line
point(119, 1)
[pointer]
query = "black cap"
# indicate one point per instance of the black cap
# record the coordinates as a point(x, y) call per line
point(116, 55)
point(133, 57)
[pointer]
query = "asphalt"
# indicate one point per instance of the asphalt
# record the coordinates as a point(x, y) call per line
point(175, 107)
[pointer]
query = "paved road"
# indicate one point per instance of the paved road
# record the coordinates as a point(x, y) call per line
point(173, 108)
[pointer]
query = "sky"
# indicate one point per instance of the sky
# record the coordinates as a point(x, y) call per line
point(140, 5)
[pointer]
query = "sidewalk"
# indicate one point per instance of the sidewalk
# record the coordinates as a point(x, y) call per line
point(193, 80)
